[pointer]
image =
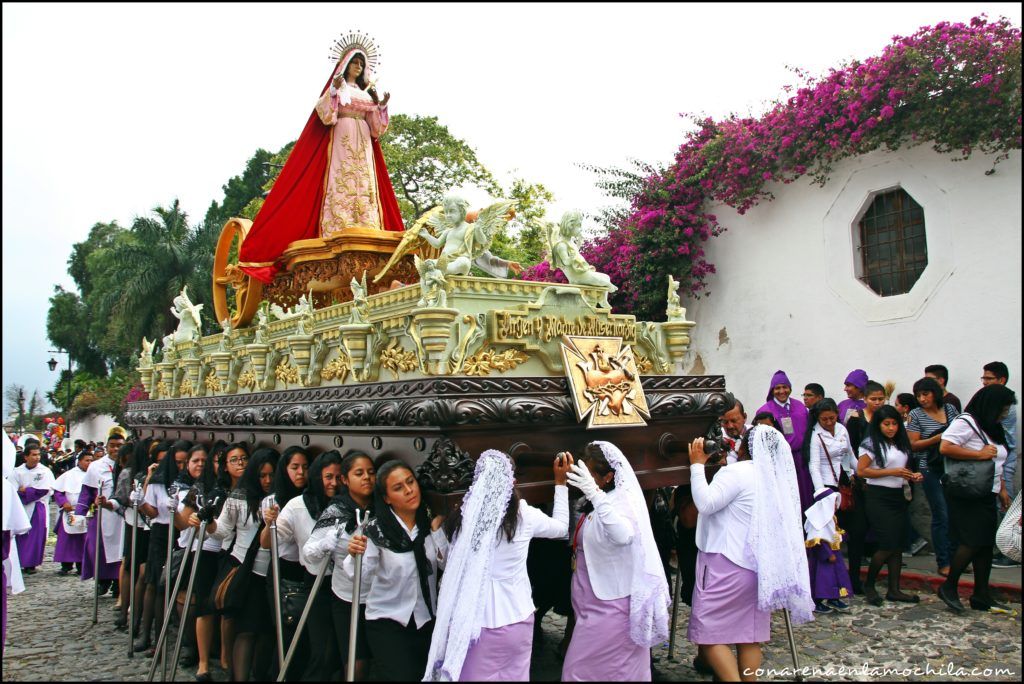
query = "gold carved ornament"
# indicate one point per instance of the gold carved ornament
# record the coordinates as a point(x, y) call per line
point(248, 290)
point(162, 390)
point(247, 379)
point(338, 368)
point(186, 389)
point(396, 359)
point(212, 382)
point(287, 373)
point(604, 381)
point(490, 360)
point(643, 364)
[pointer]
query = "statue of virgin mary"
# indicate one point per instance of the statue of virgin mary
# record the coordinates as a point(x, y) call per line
point(335, 177)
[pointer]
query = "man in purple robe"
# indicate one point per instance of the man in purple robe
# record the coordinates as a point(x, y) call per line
point(792, 418)
point(854, 403)
point(35, 486)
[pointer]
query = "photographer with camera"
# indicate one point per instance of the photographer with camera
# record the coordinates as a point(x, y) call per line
point(751, 557)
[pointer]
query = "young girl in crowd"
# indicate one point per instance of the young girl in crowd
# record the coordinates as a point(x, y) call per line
point(927, 423)
point(831, 463)
point(485, 612)
point(885, 464)
point(976, 435)
point(619, 592)
point(330, 537)
point(403, 553)
point(752, 558)
point(232, 460)
point(253, 642)
point(154, 504)
point(290, 481)
point(128, 479)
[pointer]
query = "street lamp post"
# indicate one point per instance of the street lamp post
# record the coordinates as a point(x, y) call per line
point(52, 363)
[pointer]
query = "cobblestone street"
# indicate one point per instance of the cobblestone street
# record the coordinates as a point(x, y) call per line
point(51, 638)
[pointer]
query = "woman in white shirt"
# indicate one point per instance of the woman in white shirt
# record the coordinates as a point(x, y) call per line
point(976, 434)
point(831, 463)
point(155, 505)
point(330, 538)
point(751, 557)
point(240, 517)
point(886, 465)
point(404, 551)
point(619, 592)
point(485, 612)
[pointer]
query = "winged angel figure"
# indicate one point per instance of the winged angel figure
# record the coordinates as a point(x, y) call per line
point(462, 244)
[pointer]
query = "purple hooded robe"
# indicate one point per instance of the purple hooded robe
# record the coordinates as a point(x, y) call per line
point(857, 378)
point(793, 419)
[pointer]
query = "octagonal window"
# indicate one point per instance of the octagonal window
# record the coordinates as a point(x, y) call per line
point(893, 249)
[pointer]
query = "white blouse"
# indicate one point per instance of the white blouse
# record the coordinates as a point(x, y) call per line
point(839, 450)
point(235, 520)
point(294, 525)
point(606, 536)
point(894, 458)
point(726, 507)
point(157, 497)
point(394, 583)
point(508, 598)
point(960, 433)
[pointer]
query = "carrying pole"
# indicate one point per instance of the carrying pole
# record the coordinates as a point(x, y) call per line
point(676, 592)
point(131, 576)
point(792, 646)
point(188, 598)
point(96, 560)
point(300, 625)
point(275, 569)
point(353, 625)
point(162, 639)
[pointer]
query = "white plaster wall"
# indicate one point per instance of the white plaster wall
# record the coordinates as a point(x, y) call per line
point(93, 429)
point(785, 296)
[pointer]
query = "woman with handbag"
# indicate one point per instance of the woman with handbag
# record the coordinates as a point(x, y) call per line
point(927, 423)
point(404, 551)
point(830, 460)
point(884, 462)
point(230, 462)
point(294, 525)
point(290, 480)
point(330, 536)
point(244, 588)
point(974, 447)
point(202, 616)
point(154, 504)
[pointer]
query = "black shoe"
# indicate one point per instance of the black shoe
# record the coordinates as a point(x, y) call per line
point(821, 608)
point(978, 603)
point(701, 666)
point(189, 657)
point(141, 644)
point(900, 597)
point(63, 572)
point(951, 601)
point(872, 597)
point(1004, 562)
point(204, 677)
point(28, 571)
point(121, 622)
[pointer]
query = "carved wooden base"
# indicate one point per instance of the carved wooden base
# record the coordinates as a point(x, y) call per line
point(441, 425)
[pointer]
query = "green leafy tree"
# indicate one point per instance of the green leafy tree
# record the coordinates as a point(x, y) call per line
point(425, 161)
point(67, 326)
point(240, 190)
point(527, 246)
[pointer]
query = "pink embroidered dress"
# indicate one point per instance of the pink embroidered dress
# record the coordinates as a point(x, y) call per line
point(351, 195)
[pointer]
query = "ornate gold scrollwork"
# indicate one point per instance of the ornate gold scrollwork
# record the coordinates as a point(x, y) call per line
point(338, 368)
point(396, 359)
point(491, 360)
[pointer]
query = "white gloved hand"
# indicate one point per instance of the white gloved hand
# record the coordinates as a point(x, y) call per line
point(579, 477)
point(135, 497)
point(329, 542)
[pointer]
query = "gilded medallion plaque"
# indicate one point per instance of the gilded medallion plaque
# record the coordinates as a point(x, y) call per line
point(604, 381)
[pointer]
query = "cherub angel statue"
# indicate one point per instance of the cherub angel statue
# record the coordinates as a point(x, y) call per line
point(674, 312)
point(146, 355)
point(432, 282)
point(462, 244)
point(563, 246)
point(360, 306)
point(189, 323)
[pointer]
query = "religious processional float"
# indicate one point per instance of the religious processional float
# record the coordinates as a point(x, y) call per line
point(343, 328)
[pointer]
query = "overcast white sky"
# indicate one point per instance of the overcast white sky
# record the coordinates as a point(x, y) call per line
point(110, 110)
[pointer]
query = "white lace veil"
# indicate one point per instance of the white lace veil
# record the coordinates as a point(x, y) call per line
point(649, 598)
point(460, 603)
point(776, 533)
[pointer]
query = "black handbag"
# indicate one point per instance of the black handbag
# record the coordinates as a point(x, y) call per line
point(294, 596)
point(176, 557)
point(969, 479)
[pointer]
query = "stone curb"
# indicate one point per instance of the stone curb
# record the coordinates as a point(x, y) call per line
point(915, 580)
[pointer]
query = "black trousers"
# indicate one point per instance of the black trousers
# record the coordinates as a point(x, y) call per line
point(400, 653)
point(324, 660)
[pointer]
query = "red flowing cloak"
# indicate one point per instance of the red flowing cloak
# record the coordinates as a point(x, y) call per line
point(292, 209)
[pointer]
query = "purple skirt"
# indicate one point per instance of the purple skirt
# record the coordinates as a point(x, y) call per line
point(725, 604)
point(601, 649)
point(32, 544)
point(108, 571)
point(70, 547)
point(500, 655)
